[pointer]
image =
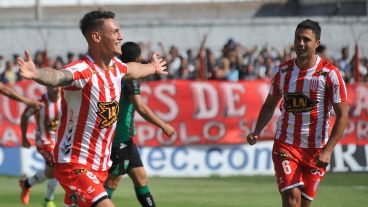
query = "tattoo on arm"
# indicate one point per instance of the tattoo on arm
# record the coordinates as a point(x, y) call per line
point(52, 77)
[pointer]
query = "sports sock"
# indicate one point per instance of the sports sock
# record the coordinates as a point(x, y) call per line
point(144, 196)
point(109, 191)
point(50, 190)
point(39, 177)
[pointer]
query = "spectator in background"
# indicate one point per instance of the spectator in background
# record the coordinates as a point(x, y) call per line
point(249, 73)
point(323, 53)
point(59, 63)
point(15, 63)
point(70, 57)
point(9, 76)
point(2, 64)
point(174, 62)
point(344, 64)
point(365, 65)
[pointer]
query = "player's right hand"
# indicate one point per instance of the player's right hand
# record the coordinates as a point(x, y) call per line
point(169, 130)
point(27, 68)
point(252, 138)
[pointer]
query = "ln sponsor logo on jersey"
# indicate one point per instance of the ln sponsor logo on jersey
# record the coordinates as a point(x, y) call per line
point(298, 102)
point(108, 113)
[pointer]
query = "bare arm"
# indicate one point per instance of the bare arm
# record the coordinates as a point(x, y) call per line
point(137, 70)
point(54, 78)
point(264, 117)
point(148, 115)
point(24, 126)
point(44, 76)
point(7, 91)
point(341, 111)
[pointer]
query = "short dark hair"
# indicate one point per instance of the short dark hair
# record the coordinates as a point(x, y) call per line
point(312, 25)
point(130, 51)
point(93, 19)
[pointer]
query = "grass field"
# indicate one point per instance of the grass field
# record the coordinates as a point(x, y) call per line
point(337, 190)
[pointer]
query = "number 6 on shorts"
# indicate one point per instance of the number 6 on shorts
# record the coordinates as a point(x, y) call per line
point(286, 166)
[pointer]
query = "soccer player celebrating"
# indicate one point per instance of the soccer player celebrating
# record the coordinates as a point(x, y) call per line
point(47, 118)
point(309, 86)
point(89, 106)
point(125, 156)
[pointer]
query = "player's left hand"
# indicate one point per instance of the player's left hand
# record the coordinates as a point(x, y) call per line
point(323, 158)
point(159, 63)
point(27, 68)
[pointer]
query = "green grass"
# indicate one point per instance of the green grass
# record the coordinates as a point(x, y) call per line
point(337, 190)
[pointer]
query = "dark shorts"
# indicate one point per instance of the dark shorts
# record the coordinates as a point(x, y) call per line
point(125, 158)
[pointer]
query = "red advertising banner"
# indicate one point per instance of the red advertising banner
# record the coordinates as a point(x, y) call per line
point(202, 112)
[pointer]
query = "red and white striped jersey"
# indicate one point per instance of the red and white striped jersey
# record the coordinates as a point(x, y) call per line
point(89, 113)
point(47, 119)
point(308, 95)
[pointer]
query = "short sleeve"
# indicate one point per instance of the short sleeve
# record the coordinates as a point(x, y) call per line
point(336, 86)
point(81, 75)
point(275, 82)
point(131, 87)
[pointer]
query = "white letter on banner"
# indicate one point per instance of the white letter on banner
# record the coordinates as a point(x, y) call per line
point(206, 101)
point(214, 126)
point(144, 133)
point(185, 138)
point(361, 100)
point(9, 136)
point(160, 93)
point(347, 156)
point(232, 92)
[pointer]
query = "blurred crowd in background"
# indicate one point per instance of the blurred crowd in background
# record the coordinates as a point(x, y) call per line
point(235, 63)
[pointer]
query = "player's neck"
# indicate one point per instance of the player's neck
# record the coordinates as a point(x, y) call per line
point(99, 59)
point(307, 62)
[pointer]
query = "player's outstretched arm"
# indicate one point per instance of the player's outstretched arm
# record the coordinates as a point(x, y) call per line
point(137, 70)
point(342, 118)
point(264, 117)
point(148, 115)
point(16, 96)
point(45, 76)
point(27, 113)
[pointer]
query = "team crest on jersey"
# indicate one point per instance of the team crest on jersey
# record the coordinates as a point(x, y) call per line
point(108, 113)
point(298, 102)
